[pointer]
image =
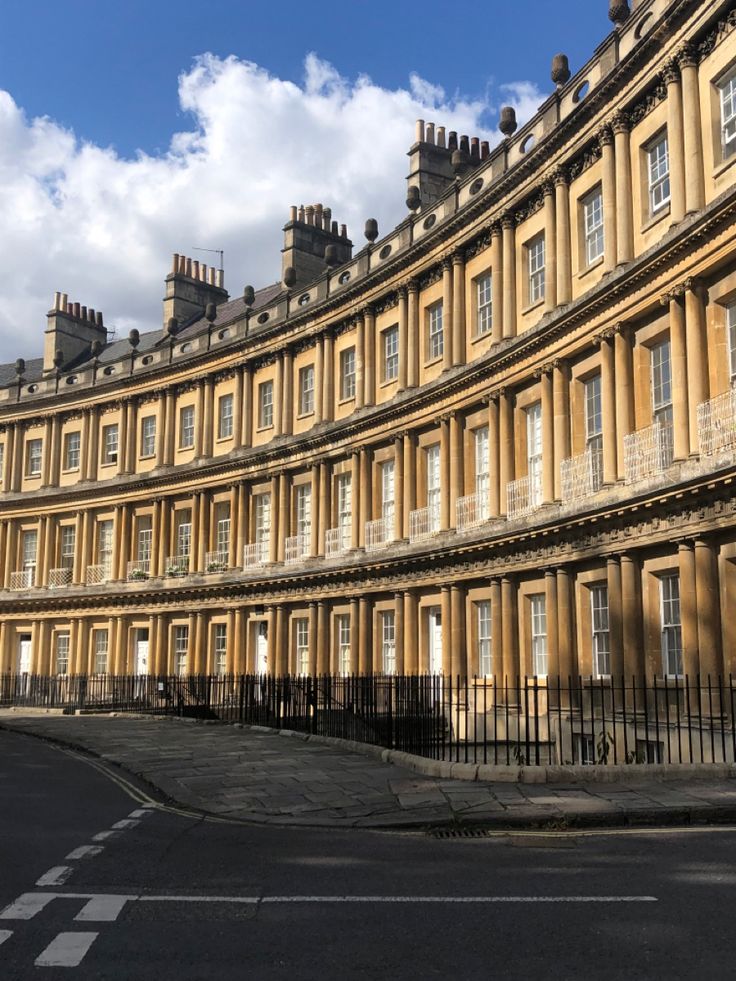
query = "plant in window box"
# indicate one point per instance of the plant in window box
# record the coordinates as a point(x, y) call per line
point(138, 575)
point(215, 567)
point(176, 569)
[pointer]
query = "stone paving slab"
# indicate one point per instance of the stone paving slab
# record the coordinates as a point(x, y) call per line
point(253, 775)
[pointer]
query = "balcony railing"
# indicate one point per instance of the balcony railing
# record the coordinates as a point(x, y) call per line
point(424, 522)
point(338, 541)
point(717, 424)
point(59, 577)
point(648, 452)
point(472, 511)
point(255, 554)
point(297, 548)
point(177, 565)
point(523, 496)
point(23, 579)
point(102, 572)
point(581, 475)
point(217, 561)
point(379, 533)
point(140, 570)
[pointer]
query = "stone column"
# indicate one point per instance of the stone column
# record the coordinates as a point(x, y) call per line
point(675, 140)
point(369, 378)
point(205, 525)
point(403, 315)
point(632, 617)
point(566, 624)
point(55, 453)
point(697, 357)
point(680, 409)
point(457, 466)
point(315, 496)
point(693, 131)
point(323, 638)
point(410, 480)
point(208, 406)
point(94, 443)
point(161, 547)
point(494, 489)
point(328, 368)
point(708, 609)
point(284, 522)
point(496, 283)
point(563, 240)
point(123, 532)
point(170, 435)
point(234, 512)
point(324, 504)
point(399, 632)
point(413, 338)
point(624, 391)
point(553, 651)
point(550, 247)
point(448, 330)
point(278, 396)
point(509, 630)
point(131, 453)
point(459, 653)
point(458, 308)
point(313, 638)
point(615, 616)
point(122, 464)
point(446, 608)
point(365, 639)
point(354, 634)
point(400, 520)
point(608, 190)
point(445, 485)
point(161, 430)
point(688, 608)
point(561, 398)
point(46, 457)
point(237, 415)
point(239, 653)
point(195, 540)
point(7, 474)
point(496, 632)
point(199, 420)
point(366, 492)
point(287, 398)
point(319, 383)
point(624, 207)
point(281, 666)
point(506, 446)
point(608, 407)
point(246, 422)
point(411, 632)
point(359, 361)
point(356, 495)
point(548, 437)
point(508, 224)
point(3, 555)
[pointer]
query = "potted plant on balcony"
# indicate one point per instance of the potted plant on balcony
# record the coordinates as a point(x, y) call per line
point(215, 566)
point(138, 575)
point(176, 569)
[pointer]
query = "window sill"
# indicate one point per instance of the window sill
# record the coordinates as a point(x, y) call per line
point(345, 401)
point(434, 361)
point(304, 415)
point(532, 306)
point(477, 338)
point(724, 164)
point(148, 456)
point(224, 439)
point(591, 268)
point(655, 219)
point(104, 465)
point(264, 429)
point(70, 470)
point(183, 449)
point(33, 476)
point(389, 381)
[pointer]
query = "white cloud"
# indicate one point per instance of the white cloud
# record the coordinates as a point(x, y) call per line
point(79, 218)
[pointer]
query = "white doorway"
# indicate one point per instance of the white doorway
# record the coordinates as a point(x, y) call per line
point(435, 639)
point(141, 652)
point(24, 654)
point(262, 647)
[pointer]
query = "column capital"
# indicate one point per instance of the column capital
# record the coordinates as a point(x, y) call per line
point(447, 262)
point(687, 55)
point(605, 135)
point(548, 186)
point(542, 370)
point(604, 336)
point(670, 71)
point(458, 257)
point(561, 177)
point(367, 310)
point(623, 329)
point(403, 291)
point(495, 228)
point(672, 295)
point(620, 122)
point(412, 285)
point(685, 544)
point(508, 220)
point(693, 284)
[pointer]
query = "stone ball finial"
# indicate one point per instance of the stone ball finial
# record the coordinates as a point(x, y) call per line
point(560, 74)
point(290, 276)
point(371, 229)
point(134, 337)
point(508, 123)
point(331, 255)
point(413, 198)
point(20, 367)
point(172, 327)
point(618, 11)
point(249, 296)
point(460, 161)
point(210, 312)
point(95, 348)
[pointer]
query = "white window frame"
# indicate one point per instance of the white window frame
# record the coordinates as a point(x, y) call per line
point(144, 545)
point(388, 642)
point(593, 225)
point(536, 258)
point(101, 644)
point(594, 426)
point(727, 102)
point(262, 511)
point(344, 645)
point(219, 654)
point(62, 652)
point(306, 390)
point(181, 648)
point(34, 457)
point(110, 444)
point(67, 546)
point(301, 644)
point(661, 382)
point(304, 509)
point(186, 427)
point(658, 173)
point(671, 625)
point(388, 495)
point(731, 332)
point(600, 631)
point(482, 470)
point(435, 332)
point(265, 405)
point(184, 539)
point(538, 618)
point(345, 508)
point(347, 374)
point(148, 437)
point(484, 638)
point(534, 452)
point(222, 535)
point(434, 485)
point(105, 543)
point(72, 450)
point(391, 353)
point(484, 304)
point(29, 550)
point(225, 416)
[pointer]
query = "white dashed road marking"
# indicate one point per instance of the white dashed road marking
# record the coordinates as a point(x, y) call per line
point(102, 909)
point(103, 835)
point(5, 935)
point(56, 876)
point(26, 906)
point(141, 813)
point(84, 851)
point(125, 823)
point(66, 950)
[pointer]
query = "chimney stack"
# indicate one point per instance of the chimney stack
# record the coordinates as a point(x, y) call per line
point(72, 329)
point(190, 286)
point(306, 240)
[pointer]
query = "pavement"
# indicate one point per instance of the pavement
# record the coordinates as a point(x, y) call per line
point(270, 778)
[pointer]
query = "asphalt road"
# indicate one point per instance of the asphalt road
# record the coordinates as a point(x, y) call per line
point(168, 895)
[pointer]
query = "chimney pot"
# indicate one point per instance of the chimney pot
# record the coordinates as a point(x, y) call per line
point(175, 264)
point(91, 315)
point(292, 213)
point(430, 132)
point(195, 269)
point(485, 150)
point(64, 302)
point(310, 214)
point(452, 140)
point(343, 231)
point(334, 228)
point(99, 319)
point(189, 267)
point(419, 132)
point(465, 144)
point(77, 310)
point(441, 136)
point(301, 212)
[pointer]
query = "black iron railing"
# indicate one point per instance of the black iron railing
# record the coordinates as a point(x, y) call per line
point(524, 721)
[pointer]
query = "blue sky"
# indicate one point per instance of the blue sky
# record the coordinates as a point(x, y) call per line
point(130, 130)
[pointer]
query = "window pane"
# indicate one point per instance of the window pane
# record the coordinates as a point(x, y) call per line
point(391, 354)
point(659, 175)
point(436, 336)
point(485, 304)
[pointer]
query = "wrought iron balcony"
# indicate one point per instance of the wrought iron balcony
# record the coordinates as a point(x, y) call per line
point(140, 570)
point(379, 533)
point(59, 577)
point(255, 554)
point(96, 574)
point(177, 565)
point(338, 541)
point(23, 579)
point(582, 475)
point(297, 548)
point(523, 496)
point(717, 424)
point(424, 522)
point(648, 452)
point(217, 561)
point(471, 511)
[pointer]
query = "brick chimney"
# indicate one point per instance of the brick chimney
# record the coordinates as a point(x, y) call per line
point(190, 286)
point(307, 235)
point(432, 168)
point(70, 330)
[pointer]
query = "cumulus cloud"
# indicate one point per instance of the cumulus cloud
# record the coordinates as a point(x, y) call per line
point(79, 218)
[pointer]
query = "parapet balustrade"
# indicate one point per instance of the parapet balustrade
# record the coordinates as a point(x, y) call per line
point(218, 561)
point(96, 574)
point(297, 548)
point(255, 554)
point(22, 579)
point(379, 533)
point(472, 511)
point(717, 424)
point(424, 522)
point(59, 577)
point(523, 495)
point(139, 570)
point(648, 452)
point(581, 475)
point(338, 540)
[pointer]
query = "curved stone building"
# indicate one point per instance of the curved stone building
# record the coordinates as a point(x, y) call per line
point(497, 440)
